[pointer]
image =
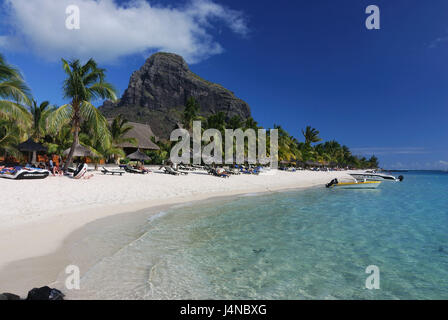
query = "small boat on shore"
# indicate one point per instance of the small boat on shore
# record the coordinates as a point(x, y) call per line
point(353, 184)
point(23, 173)
point(373, 175)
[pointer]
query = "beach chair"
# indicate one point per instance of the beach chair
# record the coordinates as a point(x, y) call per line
point(186, 167)
point(169, 170)
point(130, 169)
point(112, 172)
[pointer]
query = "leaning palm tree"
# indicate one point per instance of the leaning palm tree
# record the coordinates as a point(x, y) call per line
point(311, 135)
point(14, 94)
point(39, 114)
point(84, 83)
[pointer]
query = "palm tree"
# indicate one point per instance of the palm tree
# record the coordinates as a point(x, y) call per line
point(90, 140)
point(311, 135)
point(60, 141)
point(9, 137)
point(14, 93)
point(251, 124)
point(118, 130)
point(373, 162)
point(84, 83)
point(190, 113)
point(217, 121)
point(287, 146)
point(39, 114)
point(163, 154)
point(235, 122)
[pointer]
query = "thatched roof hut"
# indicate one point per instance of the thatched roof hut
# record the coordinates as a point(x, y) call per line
point(31, 146)
point(139, 156)
point(80, 151)
point(142, 133)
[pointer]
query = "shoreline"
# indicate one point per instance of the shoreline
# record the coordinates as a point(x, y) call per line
point(35, 253)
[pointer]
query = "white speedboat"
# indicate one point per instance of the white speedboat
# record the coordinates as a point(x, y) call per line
point(373, 175)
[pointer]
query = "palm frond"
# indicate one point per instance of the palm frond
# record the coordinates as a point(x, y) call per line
point(97, 122)
point(59, 117)
point(103, 90)
point(66, 67)
point(13, 110)
point(15, 89)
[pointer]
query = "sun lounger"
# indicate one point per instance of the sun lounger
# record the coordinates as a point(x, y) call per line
point(133, 170)
point(112, 172)
point(169, 170)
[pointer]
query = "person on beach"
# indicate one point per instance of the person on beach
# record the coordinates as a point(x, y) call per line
point(57, 171)
point(50, 164)
point(142, 168)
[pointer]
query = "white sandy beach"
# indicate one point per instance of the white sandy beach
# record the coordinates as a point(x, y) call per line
point(37, 215)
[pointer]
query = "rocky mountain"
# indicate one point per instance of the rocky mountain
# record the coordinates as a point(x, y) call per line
point(157, 94)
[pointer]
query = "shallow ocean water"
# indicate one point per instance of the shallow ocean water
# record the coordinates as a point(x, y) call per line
point(305, 244)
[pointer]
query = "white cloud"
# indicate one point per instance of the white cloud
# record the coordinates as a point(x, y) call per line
point(110, 31)
point(444, 163)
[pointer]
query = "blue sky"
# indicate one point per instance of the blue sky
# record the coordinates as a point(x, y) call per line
point(296, 63)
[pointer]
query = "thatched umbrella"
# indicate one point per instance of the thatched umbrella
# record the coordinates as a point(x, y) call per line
point(284, 163)
point(80, 151)
point(309, 163)
point(31, 146)
point(300, 163)
point(138, 156)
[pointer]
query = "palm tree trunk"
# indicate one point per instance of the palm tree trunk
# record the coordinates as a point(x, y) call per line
point(69, 160)
point(76, 128)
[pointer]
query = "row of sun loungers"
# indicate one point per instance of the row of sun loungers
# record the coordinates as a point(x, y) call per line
point(174, 172)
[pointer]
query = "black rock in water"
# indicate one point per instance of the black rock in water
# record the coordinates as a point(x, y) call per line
point(9, 296)
point(158, 92)
point(45, 293)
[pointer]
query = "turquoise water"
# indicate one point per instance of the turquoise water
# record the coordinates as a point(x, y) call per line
point(309, 244)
